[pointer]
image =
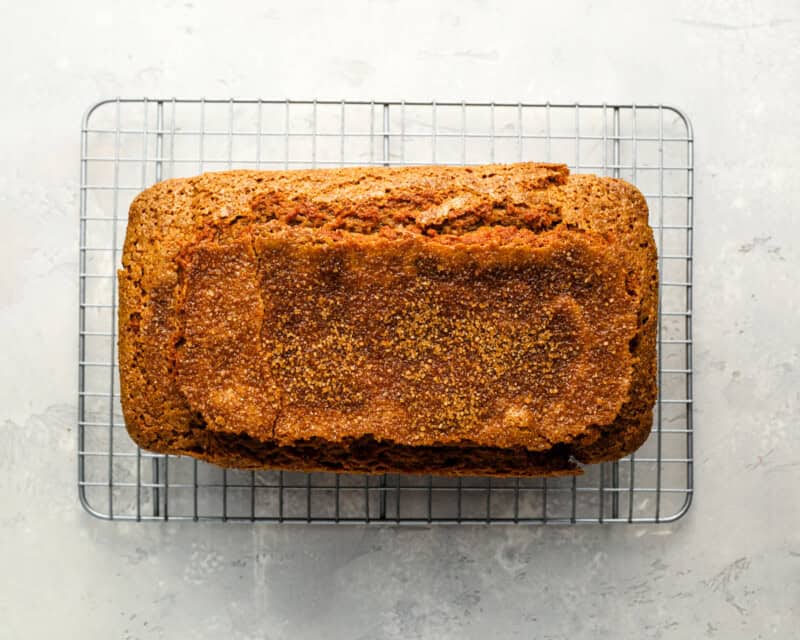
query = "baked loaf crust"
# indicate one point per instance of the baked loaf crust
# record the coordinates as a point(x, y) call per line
point(492, 320)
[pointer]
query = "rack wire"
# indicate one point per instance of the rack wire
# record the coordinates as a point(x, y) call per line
point(128, 144)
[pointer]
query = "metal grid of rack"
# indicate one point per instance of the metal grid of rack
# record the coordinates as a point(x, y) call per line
point(129, 144)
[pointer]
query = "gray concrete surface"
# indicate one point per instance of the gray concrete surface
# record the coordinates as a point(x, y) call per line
point(730, 569)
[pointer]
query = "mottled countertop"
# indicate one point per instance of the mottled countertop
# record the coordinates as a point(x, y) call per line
point(729, 569)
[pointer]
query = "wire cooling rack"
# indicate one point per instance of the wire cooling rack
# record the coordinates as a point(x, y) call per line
point(129, 144)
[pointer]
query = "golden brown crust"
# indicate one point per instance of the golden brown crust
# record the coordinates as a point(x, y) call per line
point(494, 320)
